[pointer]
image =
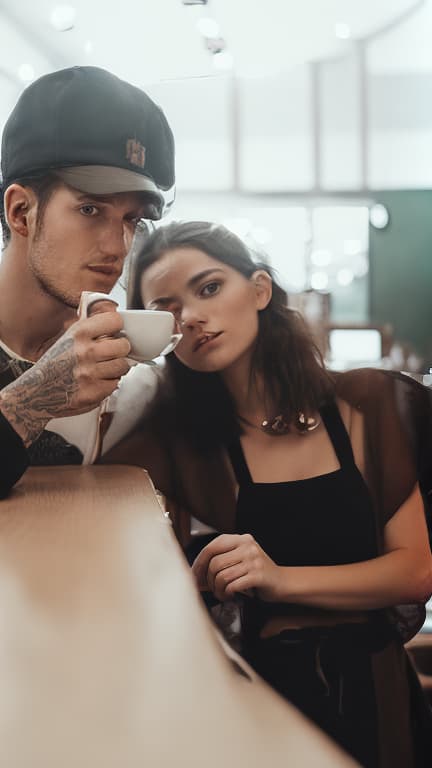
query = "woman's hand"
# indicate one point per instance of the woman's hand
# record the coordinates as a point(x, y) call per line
point(234, 563)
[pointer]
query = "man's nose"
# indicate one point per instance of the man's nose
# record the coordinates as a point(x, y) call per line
point(116, 240)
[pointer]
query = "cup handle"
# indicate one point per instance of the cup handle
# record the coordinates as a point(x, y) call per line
point(88, 298)
point(175, 338)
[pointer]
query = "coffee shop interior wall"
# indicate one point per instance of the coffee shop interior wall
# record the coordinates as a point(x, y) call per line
point(401, 269)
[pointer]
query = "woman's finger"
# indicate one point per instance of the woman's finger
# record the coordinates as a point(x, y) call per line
point(242, 584)
point(220, 563)
point(225, 577)
point(219, 545)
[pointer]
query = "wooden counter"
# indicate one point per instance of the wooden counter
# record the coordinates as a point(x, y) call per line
point(107, 657)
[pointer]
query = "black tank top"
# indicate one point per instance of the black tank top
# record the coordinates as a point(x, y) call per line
point(323, 520)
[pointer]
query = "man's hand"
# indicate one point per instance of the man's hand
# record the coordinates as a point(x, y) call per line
point(82, 368)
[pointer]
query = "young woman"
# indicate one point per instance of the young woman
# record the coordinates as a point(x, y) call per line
point(311, 480)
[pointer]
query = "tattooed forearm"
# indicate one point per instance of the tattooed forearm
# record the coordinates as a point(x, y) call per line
point(43, 392)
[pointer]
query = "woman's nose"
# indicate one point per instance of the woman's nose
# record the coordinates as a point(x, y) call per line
point(189, 317)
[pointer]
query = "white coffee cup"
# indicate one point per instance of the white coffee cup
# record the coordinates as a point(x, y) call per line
point(149, 331)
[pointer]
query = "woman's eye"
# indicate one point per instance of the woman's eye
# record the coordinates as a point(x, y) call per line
point(88, 210)
point(210, 289)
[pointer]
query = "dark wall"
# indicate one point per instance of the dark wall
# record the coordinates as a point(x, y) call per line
point(401, 269)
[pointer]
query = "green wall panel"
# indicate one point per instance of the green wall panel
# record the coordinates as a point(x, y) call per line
point(401, 269)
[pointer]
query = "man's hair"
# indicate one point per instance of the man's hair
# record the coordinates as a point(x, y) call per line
point(43, 187)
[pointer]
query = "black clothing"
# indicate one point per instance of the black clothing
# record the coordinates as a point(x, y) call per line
point(393, 414)
point(327, 672)
point(14, 458)
point(48, 449)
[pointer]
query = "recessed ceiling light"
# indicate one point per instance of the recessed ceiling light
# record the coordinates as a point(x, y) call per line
point(342, 30)
point(63, 17)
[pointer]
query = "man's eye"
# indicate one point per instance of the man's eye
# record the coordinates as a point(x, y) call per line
point(210, 289)
point(88, 210)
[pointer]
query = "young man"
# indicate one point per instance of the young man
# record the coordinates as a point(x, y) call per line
point(85, 157)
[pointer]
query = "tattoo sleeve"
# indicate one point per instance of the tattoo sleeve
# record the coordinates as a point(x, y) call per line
point(41, 393)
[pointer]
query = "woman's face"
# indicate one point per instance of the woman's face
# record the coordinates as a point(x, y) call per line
point(216, 307)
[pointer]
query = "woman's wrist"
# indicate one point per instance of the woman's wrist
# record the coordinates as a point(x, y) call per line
point(284, 586)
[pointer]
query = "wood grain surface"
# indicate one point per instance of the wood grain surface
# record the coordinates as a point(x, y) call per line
point(107, 657)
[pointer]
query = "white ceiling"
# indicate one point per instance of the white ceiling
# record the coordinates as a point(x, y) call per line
point(146, 41)
point(255, 132)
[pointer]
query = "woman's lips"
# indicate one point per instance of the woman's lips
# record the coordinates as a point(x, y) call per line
point(205, 339)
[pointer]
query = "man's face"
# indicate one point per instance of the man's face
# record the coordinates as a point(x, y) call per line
point(82, 241)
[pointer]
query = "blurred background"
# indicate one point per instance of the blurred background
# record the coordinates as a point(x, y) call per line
point(304, 126)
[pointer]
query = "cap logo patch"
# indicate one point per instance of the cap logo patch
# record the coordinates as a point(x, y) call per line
point(135, 152)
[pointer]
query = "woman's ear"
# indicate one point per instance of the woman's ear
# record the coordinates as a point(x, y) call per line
point(18, 203)
point(263, 288)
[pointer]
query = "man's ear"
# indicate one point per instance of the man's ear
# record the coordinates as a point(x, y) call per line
point(19, 204)
point(263, 288)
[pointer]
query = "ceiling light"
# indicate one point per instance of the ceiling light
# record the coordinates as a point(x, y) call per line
point(379, 216)
point(63, 17)
point(319, 281)
point(26, 73)
point(342, 30)
point(88, 47)
point(208, 27)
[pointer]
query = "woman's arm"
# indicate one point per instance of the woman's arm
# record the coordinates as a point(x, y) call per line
point(403, 574)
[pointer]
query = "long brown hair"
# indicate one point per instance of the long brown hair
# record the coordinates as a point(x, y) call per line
point(198, 404)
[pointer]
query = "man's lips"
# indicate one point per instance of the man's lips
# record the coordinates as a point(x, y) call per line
point(104, 270)
point(204, 339)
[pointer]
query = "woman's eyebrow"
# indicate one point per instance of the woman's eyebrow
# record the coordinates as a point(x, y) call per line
point(190, 284)
point(201, 275)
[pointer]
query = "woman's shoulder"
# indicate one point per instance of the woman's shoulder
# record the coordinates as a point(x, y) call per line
point(364, 386)
point(395, 410)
